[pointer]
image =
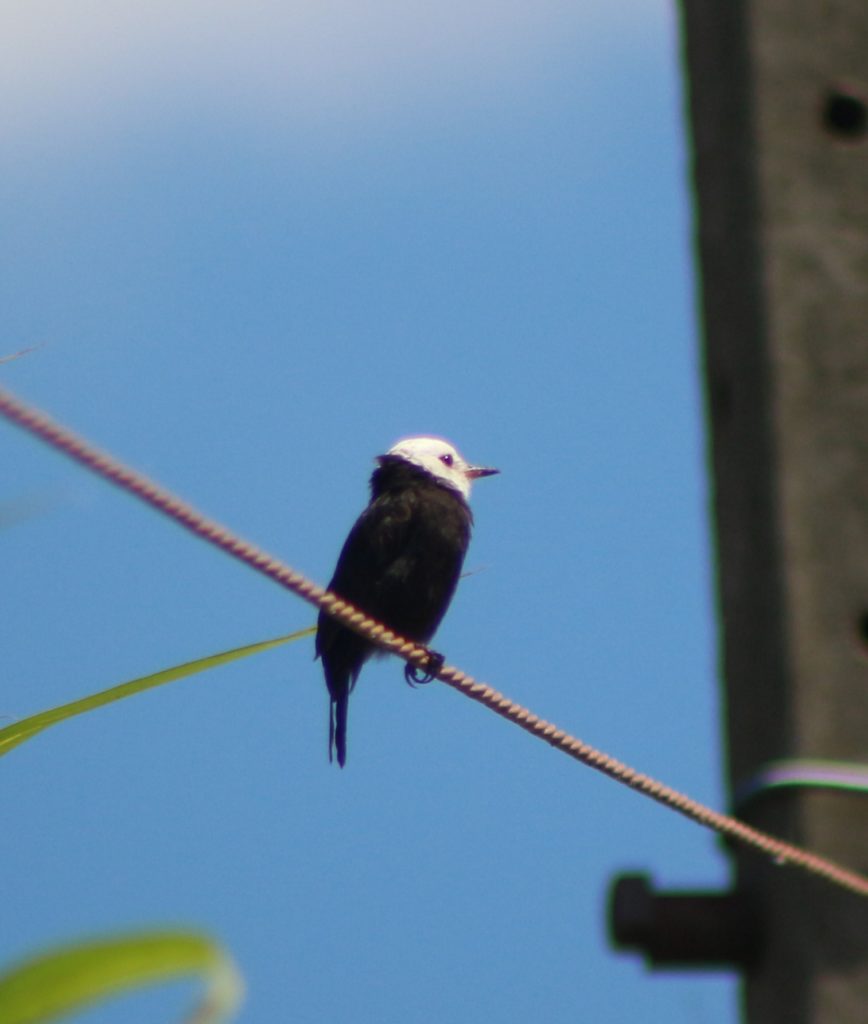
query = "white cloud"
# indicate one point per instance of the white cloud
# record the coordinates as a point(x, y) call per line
point(76, 64)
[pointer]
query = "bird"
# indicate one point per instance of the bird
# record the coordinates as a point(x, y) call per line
point(399, 564)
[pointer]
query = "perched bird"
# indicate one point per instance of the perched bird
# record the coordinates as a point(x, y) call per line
point(400, 563)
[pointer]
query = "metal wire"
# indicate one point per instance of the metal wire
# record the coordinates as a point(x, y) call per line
point(64, 440)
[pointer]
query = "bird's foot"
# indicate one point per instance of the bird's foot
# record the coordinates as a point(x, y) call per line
point(416, 675)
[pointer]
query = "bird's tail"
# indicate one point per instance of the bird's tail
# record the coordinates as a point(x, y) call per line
point(338, 727)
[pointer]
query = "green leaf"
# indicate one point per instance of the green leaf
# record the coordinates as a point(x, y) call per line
point(20, 731)
point(69, 978)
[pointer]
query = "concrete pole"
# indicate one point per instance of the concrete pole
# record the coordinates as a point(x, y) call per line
point(778, 94)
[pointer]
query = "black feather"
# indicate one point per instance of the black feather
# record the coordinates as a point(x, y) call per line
point(400, 564)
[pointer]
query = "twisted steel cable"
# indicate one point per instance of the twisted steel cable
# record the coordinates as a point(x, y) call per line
point(64, 440)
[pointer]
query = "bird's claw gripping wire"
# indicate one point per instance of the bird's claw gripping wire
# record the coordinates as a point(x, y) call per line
point(416, 675)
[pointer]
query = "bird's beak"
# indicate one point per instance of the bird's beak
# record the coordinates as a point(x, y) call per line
point(473, 472)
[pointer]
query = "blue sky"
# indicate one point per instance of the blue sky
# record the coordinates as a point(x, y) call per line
point(257, 244)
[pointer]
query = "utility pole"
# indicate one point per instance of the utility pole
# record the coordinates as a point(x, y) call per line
point(778, 95)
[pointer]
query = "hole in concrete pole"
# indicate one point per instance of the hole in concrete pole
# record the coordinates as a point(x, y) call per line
point(862, 632)
point(845, 115)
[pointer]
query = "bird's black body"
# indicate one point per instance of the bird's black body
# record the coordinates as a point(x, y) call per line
point(400, 564)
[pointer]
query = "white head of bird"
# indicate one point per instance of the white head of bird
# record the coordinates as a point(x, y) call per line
point(441, 460)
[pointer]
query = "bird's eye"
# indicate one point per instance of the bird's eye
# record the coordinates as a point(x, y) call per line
point(446, 460)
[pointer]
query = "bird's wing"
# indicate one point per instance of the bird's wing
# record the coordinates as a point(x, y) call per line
point(377, 541)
